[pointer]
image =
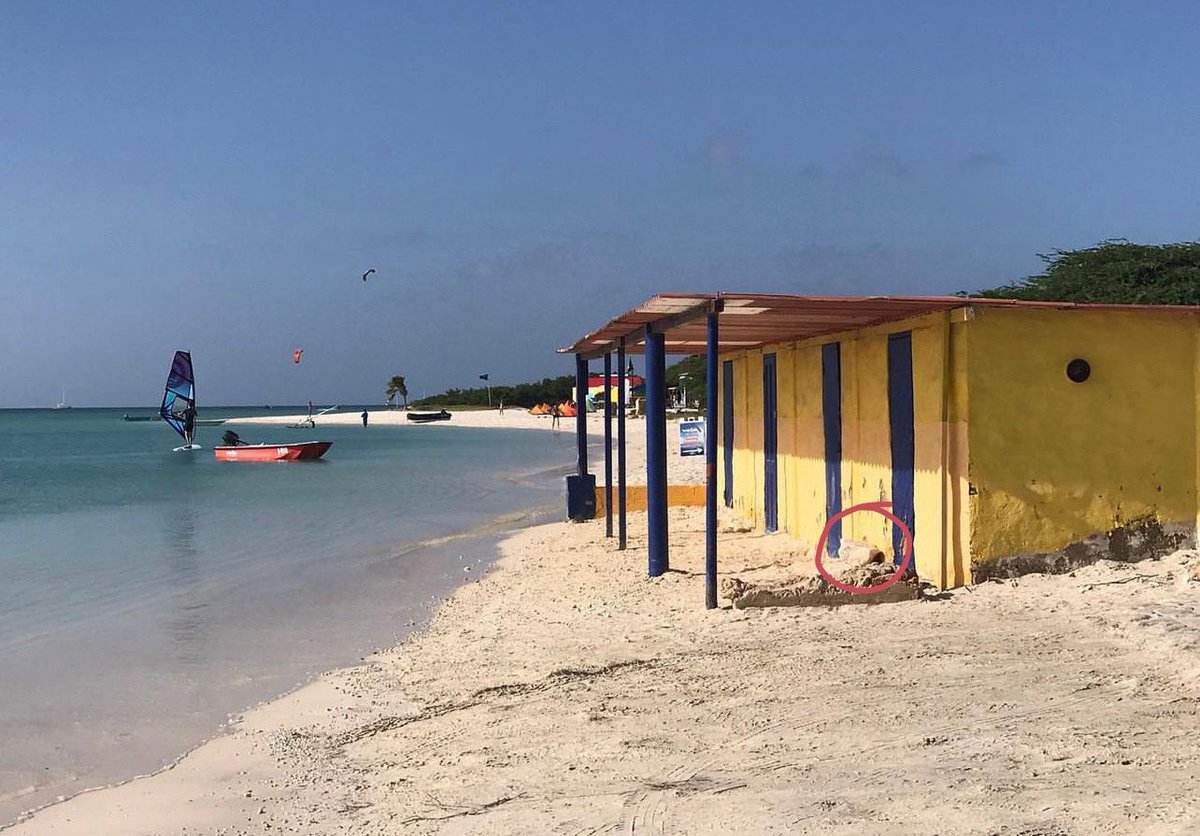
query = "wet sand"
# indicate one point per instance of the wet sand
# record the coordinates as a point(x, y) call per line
point(567, 692)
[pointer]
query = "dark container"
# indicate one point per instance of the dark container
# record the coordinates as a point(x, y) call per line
point(581, 497)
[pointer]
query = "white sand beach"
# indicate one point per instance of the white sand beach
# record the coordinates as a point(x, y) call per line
point(515, 418)
point(681, 470)
point(566, 692)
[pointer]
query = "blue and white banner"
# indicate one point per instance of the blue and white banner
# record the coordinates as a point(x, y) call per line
point(691, 438)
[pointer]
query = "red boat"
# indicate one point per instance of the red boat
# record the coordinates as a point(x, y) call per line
point(305, 451)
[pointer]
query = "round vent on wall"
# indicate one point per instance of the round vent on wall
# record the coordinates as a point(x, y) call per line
point(1079, 370)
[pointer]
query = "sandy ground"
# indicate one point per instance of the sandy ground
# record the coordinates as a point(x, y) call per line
point(566, 692)
point(681, 470)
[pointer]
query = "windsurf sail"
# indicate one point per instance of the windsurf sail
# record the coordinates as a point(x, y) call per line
point(180, 394)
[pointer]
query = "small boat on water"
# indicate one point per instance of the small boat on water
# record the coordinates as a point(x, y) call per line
point(304, 451)
point(427, 417)
point(63, 403)
point(128, 417)
point(310, 422)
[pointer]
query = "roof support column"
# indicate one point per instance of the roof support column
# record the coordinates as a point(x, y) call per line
point(712, 361)
point(608, 491)
point(656, 452)
point(581, 381)
point(621, 384)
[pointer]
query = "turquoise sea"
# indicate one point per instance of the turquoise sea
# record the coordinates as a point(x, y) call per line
point(146, 595)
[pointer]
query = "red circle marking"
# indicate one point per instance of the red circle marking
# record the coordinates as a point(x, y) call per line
point(879, 508)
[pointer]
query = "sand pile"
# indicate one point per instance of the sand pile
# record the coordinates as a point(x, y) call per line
point(1191, 571)
point(861, 564)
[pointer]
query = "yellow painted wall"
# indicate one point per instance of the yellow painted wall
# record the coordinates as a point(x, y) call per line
point(748, 437)
point(1051, 462)
point(804, 514)
point(866, 447)
point(939, 419)
point(956, 506)
point(1054, 462)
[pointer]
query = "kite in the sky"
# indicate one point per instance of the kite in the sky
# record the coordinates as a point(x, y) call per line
point(369, 272)
point(296, 355)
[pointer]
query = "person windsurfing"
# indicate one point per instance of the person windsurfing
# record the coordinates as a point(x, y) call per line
point(178, 406)
point(189, 424)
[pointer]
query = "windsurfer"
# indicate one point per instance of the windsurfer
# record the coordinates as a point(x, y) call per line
point(189, 424)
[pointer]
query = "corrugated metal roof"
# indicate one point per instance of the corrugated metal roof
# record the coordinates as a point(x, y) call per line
point(753, 319)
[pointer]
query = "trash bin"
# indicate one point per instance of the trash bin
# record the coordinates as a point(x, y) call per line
point(581, 497)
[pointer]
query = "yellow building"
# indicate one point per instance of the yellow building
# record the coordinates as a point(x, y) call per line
point(1010, 436)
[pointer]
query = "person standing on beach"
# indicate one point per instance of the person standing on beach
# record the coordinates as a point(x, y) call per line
point(555, 412)
point(364, 417)
point(501, 407)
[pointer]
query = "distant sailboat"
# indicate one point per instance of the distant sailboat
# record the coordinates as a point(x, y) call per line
point(63, 403)
point(179, 400)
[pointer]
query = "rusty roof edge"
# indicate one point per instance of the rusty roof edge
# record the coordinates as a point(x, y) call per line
point(585, 343)
point(581, 344)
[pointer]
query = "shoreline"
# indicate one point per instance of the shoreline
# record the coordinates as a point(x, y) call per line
point(485, 537)
point(493, 530)
point(515, 418)
point(368, 584)
point(680, 469)
point(565, 687)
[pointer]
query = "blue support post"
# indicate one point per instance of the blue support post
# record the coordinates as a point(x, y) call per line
point(711, 363)
point(656, 452)
point(621, 444)
point(608, 491)
point(581, 380)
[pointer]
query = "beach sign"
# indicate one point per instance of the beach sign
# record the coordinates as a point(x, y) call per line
point(691, 438)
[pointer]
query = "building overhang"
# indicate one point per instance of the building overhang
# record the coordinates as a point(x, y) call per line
point(751, 320)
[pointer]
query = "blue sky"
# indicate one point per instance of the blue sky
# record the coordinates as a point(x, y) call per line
point(217, 176)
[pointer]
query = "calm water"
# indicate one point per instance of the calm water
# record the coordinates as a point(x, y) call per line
point(146, 594)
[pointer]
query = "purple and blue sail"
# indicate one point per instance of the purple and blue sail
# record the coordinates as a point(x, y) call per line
point(180, 393)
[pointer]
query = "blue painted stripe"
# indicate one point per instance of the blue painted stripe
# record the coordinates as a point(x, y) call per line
point(657, 534)
point(770, 445)
point(727, 427)
point(831, 414)
point(900, 422)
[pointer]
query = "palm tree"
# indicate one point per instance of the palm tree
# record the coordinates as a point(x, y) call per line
point(396, 387)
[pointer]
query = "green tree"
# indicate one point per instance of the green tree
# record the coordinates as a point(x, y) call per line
point(396, 387)
point(1114, 271)
point(692, 370)
point(548, 390)
point(559, 389)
